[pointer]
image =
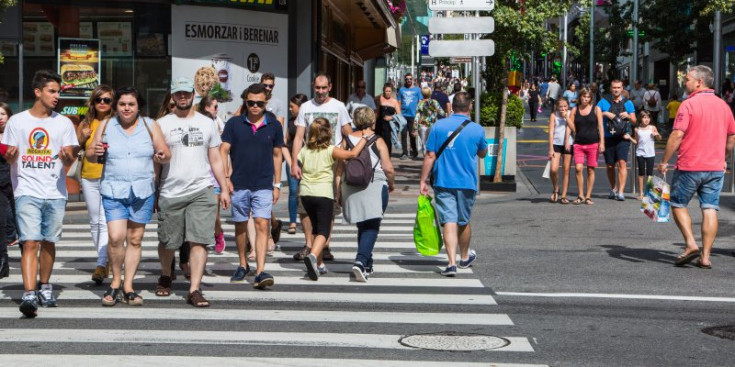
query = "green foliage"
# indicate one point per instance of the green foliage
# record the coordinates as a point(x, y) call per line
point(610, 42)
point(4, 4)
point(490, 110)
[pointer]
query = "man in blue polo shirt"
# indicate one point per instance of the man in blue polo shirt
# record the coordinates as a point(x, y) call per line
point(455, 178)
point(409, 96)
point(253, 142)
point(617, 148)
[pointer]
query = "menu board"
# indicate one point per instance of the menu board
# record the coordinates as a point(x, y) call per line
point(79, 66)
point(38, 39)
point(8, 49)
point(86, 30)
point(116, 38)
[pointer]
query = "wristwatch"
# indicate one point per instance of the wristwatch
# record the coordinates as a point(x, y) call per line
point(277, 185)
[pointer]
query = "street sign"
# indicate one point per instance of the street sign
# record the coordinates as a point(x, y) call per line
point(461, 5)
point(462, 48)
point(460, 60)
point(462, 25)
point(425, 39)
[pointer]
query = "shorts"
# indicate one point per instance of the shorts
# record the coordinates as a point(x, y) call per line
point(188, 218)
point(560, 149)
point(39, 219)
point(645, 165)
point(321, 212)
point(454, 205)
point(589, 151)
point(138, 210)
point(616, 150)
point(707, 185)
point(336, 208)
point(260, 202)
point(218, 191)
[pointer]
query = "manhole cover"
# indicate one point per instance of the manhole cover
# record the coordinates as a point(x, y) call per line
point(724, 332)
point(454, 342)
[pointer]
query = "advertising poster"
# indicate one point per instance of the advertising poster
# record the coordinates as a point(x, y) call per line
point(116, 38)
point(38, 39)
point(79, 66)
point(225, 50)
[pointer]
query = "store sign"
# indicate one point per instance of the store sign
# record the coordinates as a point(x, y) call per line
point(79, 66)
point(242, 4)
point(229, 53)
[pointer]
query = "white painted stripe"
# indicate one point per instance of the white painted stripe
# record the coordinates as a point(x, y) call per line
point(266, 315)
point(619, 296)
point(15, 278)
point(230, 227)
point(352, 245)
point(137, 361)
point(339, 223)
point(249, 294)
point(152, 235)
point(314, 340)
point(296, 266)
point(232, 256)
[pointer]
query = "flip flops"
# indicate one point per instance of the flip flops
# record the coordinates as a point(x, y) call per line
point(686, 259)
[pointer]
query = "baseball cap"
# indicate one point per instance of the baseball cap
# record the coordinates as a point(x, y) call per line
point(182, 84)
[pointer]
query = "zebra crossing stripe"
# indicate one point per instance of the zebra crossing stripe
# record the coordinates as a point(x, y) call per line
point(232, 257)
point(293, 246)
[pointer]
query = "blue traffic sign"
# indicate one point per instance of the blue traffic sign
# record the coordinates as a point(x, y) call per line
point(425, 39)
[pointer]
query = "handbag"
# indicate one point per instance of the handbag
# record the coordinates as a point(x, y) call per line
point(444, 146)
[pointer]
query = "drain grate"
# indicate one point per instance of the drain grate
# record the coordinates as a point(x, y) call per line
point(724, 332)
point(451, 341)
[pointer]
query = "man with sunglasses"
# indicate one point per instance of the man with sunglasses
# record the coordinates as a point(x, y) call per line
point(360, 98)
point(409, 96)
point(273, 105)
point(252, 142)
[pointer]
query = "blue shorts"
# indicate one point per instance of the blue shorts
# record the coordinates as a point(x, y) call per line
point(616, 149)
point(707, 185)
point(133, 209)
point(39, 219)
point(260, 202)
point(454, 205)
point(217, 190)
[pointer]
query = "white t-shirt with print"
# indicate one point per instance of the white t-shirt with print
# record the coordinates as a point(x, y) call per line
point(333, 110)
point(39, 171)
point(189, 140)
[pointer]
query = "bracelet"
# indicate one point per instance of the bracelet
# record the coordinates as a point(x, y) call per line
point(277, 185)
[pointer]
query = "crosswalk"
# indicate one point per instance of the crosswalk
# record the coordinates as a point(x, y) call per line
point(298, 322)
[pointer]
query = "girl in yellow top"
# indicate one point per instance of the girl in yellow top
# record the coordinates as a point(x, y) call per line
point(316, 189)
point(99, 107)
point(672, 108)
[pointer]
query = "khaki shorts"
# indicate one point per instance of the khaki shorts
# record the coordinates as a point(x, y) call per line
point(188, 218)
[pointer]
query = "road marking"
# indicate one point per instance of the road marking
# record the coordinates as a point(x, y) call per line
point(533, 141)
point(385, 226)
point(294, 245)
point(250, 295)
point(266, 315)
point(233, 257)
point(619, 296)
point(314, 340)
point(150, 235)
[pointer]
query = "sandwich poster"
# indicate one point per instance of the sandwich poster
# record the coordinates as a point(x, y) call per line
point(79, 66)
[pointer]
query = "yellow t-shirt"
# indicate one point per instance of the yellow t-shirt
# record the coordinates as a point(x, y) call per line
point(90, 170)
point(317, 172)
point(673, 108)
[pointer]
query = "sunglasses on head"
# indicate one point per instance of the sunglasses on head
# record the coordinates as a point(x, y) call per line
point(260, 104)
point(100, 100)
point(269, 86)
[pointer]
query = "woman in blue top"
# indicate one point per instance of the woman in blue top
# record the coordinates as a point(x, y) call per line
point(127, 141)
point(571, 95)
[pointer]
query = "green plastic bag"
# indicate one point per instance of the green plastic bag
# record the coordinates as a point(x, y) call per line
point(427, 234)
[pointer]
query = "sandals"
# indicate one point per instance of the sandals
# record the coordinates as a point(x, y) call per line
point(132, 299)
point(113, 294)
point(292, 229)
point(196, 299)
point(589, 201)
point(554, 196)
point(564, 200)
point(578, 200)
point(163, 289)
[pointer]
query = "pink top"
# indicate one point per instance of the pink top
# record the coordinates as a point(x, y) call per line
point(706, 121)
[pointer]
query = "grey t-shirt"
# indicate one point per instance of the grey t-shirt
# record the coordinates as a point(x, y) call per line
point(277, 107)
point(636, 95)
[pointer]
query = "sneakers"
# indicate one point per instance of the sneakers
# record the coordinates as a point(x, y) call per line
point(29, 304)
point(240, 274)
point(263, 280)
point(450, 271)
point(323, 269)
point(620, 197)
point(46, 296)
point(612, 195)
point(405, 157)
point(471, 257)
point(359, 271)
point(299, 256)
point(327, 254)
point(311, 267)
point(219, 243)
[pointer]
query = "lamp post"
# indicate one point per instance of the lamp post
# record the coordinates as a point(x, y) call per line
point(634, 62)
point(717, 52)
point(592, 41)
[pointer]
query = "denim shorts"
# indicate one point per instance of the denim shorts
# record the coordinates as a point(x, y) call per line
point(39, 219)
point(707, 185)
point(454, 205)
point(138, 210)
point(616, 149)
point(260, 202)
point(218, 190)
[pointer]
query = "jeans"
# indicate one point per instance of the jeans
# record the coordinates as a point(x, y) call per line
point(7, 218)
point(706, 184)
point(367, 235)
point(406, 134)
point(424, 136)
point(97, 221)
point(293, 196)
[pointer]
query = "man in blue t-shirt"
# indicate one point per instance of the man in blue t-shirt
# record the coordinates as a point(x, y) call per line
point(455, 178)
point(617, 148)
point(409, 96)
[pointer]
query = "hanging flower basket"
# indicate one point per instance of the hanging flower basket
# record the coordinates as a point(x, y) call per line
point(397, 9)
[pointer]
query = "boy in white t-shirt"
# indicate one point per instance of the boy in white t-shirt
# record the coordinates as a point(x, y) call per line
point(40, 143)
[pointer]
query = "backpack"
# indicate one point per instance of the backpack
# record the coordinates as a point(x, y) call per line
point(359, 171)
point(652, 100)
point(617, 127)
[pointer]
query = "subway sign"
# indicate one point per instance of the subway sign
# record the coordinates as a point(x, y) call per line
point(265, 5)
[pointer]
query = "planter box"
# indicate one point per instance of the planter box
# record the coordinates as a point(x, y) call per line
point(508, 164)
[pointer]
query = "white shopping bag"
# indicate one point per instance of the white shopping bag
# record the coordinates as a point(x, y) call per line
point(547, 171)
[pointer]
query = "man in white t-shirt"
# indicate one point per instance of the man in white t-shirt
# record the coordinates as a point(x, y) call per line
point(636, 95)
point(360, 98)
point(40, 143)
point(275, 105)
point(187, 204)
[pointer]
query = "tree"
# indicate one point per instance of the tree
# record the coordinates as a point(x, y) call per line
point(4, 4)
point(610, 41)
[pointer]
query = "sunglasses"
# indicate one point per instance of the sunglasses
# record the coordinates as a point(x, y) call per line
point(360, 87)
point(269, 86)
point(100, 100)
point(260, 104)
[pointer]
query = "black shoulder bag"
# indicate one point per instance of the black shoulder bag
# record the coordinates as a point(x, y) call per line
point(444, 146)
